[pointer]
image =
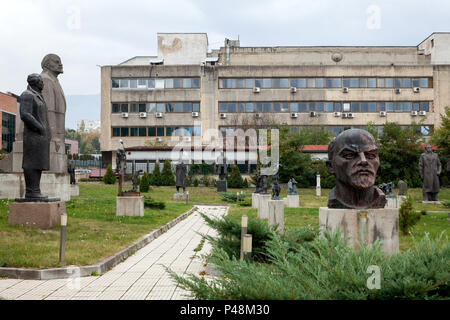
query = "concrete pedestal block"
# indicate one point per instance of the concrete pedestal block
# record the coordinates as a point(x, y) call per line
point(263, 206)
point(391, 202)
point(292, 201)
point(221, 185)
point(255, 200)
point(318, 192)
point(181, 196)
point(276, 214)
point(42, 215)
point(364, 226)
point(54, 185)
point(74, 190)
point(130, 206)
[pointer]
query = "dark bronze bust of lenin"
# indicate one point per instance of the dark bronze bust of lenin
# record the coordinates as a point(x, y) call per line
point(353, 160)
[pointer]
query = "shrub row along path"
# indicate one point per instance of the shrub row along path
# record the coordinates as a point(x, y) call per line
point(141, 276)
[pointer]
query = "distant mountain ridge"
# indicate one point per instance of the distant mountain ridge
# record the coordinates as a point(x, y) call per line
point(82, 107)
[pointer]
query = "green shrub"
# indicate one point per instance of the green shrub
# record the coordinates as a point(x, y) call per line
point(206, 181)
point(155, 178)
point(233, 197)
point(446, 203)
point(153, 204)
point(167, 176)
point(234, 179)
point(90, 179)
point(326, 269)
point(144, 183)
point(246, 202)
point(109, 177)
point(196, 182)
point(407, 216)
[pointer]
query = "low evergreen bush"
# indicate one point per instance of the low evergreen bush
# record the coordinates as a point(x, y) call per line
point(109, 177)
point(167, 176)
point(153, 204)
point(155, 178)
point(407, 216)
point(326, 269)
point(144, 183)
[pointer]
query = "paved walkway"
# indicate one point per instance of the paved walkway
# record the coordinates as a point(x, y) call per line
point(141, 276)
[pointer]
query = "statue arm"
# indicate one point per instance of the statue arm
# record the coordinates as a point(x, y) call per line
point(26, 108)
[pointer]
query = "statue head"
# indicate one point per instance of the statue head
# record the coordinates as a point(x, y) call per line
point(35, 81)
point(353, 159)
point(428, 148)
point(52, 62)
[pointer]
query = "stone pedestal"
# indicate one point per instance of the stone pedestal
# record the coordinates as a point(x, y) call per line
point(42, 215)
point(263, 205)
point(292, 201)
point(318, 190)
point(181, 196)
point(364, 226)
point(221, 185)
point(74, 190)
point(276, 214)
point(130, 206)
point(391, 202)
point(54, 185)
point(255, 200)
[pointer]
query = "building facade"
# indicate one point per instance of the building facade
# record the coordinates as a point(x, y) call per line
point(8, 114)
point(190, 95)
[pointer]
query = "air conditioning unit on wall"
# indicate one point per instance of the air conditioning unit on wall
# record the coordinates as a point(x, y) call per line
point(256, 89)
point(159, 114)
point(124, 114)
point(223, 116)
point(194, 114)
point(143, 115)
point(294, 115)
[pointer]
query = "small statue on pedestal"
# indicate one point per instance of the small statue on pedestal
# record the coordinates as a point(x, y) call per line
point(276, 185)
point(180, 174)
point(292, 187)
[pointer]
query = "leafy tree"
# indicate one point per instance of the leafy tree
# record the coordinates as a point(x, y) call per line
point(167, 176)
point(155, 179)
point(109, 177)
point(399, 154)
point(144, 183)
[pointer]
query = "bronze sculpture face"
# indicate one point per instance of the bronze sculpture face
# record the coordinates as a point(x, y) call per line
point(353, 159)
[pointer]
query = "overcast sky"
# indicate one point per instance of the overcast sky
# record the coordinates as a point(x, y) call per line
point(88, 33)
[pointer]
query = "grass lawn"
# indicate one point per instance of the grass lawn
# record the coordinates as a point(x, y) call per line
point(93, 231)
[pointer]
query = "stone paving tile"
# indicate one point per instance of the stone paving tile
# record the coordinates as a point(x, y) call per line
point(141, 276)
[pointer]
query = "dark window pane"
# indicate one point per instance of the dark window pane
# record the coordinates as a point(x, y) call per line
point(133, 132)
point(115, 107)
point(381, 106)
point(115, 83)
point(284, 83)
point(187, 107)
point(151, 83)
point(276, 107)
point(380, 83)
point(249, 83)
point(223, 83)
point(355, 107)
point(397, 107)
point(133, 83)
point(151, 131)
point(329, 106)
point(187, 83)
point(160, 107)
point(116, 132)
point(424, 106)
point(346, 82)
point(416, 106)
point(249, 107)
point(259, 107)
point(195, 83)
point(266, 83)
point(169, 131)
point(294, 107)
point(133, 107)
point(372, 107)
point(354, 83)
point(294, 83)
point(231, 83)
point(319, 82)
point(196, 107)
point(312, 106)
point(406, 106)
point(258, 83)
point(142, 107)
point(222, 107)
point(285, 107)
point(302, 107)
point(142, 132)
point(337, 82)
point(177, 83)
point(311, 83)
point(389, 82)
point(240, 83)
point(319, 106)
point(196, 131)
point(124, 132)
point(406, 82)
point(267, 107)
point(398, 82)
point(328, 83)
point(416, 83)
point(232, 107)
point(124, 83)
point(240, 107)
point(169, 107)
point(160, 131)
point(124, 107)
point(363, 106)
point(302, 83)
point(389, 106)
point(363, 82)
point(423, 82)
point(337, 107)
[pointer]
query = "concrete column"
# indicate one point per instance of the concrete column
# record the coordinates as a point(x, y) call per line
point(276, 214)
point(255, 200)
point(318, 191)
point(263, 206)
point(292, 201)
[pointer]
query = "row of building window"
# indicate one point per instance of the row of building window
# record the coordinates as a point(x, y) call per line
point(156, 107)
point(337, 82)
point(156, 131)
point(153, 83)
point(249, 107)
point(8, 131)
point(334, 130)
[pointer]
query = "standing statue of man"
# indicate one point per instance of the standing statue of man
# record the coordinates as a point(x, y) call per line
point(276, 185)
point(221, 166)
point(180, 175)
point(353, 160)
point(430, 169)
point(36, 136)
point(56, 105)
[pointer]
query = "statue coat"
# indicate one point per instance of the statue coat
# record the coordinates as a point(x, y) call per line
point(36, 132)
point(429, 169)
point(180, 175)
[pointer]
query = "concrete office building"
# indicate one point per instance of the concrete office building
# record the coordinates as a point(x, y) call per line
point(153, 102)
point(8, 113)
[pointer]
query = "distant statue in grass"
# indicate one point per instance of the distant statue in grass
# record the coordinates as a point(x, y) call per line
point(430, 169)
point(276, 185)
point(292, 187)
point(180, 175)
point(353, 160)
